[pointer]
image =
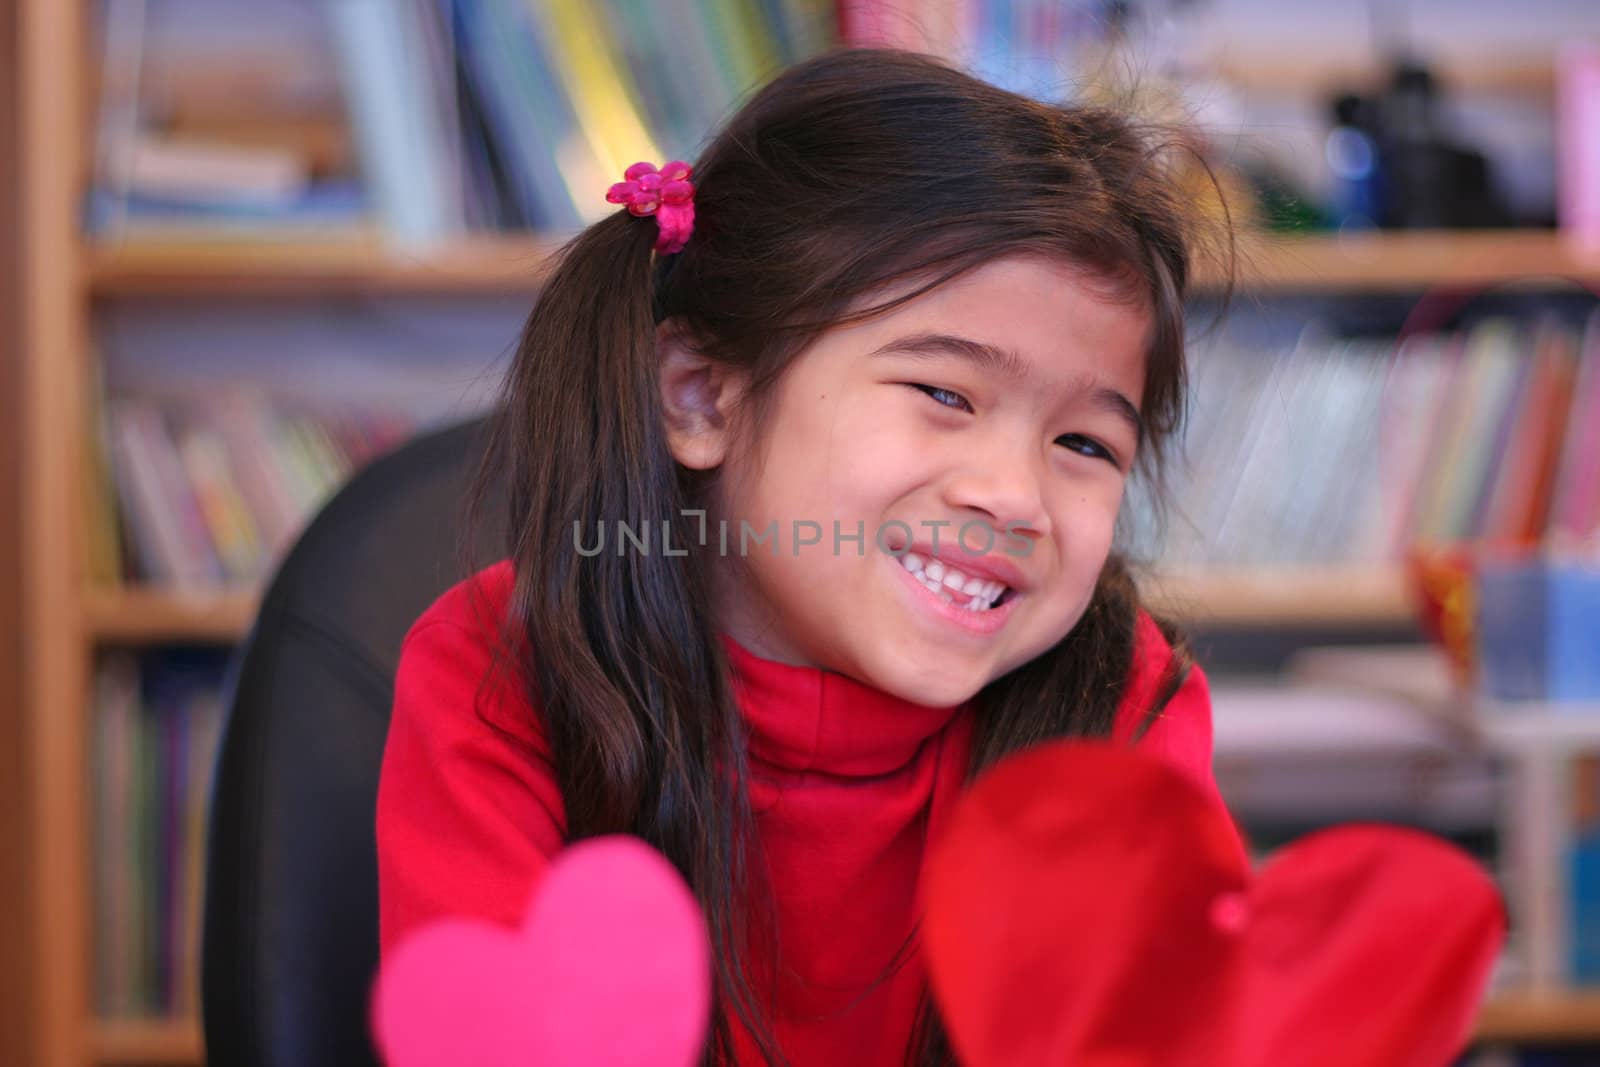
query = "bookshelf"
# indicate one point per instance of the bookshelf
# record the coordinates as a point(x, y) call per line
point(1353, 262)
point(59, 277)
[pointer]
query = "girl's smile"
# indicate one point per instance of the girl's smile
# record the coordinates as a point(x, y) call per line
point(952, 597)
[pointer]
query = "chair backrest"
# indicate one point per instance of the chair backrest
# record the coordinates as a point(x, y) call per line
point(291, 910)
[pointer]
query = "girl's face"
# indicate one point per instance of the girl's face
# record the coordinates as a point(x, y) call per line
point(978, 439)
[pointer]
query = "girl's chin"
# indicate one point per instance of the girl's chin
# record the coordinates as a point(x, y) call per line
point(944, 690)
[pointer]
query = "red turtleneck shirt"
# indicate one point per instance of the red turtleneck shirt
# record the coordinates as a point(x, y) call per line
point(848, 784)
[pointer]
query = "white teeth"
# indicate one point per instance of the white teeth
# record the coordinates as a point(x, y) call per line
point(949, 583)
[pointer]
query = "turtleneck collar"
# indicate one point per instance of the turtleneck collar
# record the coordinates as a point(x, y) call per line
point(810, 719)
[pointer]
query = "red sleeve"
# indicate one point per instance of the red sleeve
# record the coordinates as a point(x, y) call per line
point(1181, 731)
point(468, 817)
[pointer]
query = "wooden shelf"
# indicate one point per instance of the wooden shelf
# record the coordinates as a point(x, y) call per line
point(147, 1043)
point(211, 266)
point(1294, 73)
point(1420, 259)
point(1571, 1016)
point(1556, 1016)
point(514, 264)
point(135, 616)
point(1338, 596)
point(1353, 596)
point(1565, 1016)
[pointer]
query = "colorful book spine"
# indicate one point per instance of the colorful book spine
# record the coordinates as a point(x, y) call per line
point(155, 733)
point(1413, 406)
point(116, 720)
point(1575, 508)
point(214, 493)
point(233, 531)
point(1494, 452)
point(524, 111)
point(1339, 452)
point(602, 96)
point(403, 149)
point(1516, 498)
point(162, 510)
point(105, 533)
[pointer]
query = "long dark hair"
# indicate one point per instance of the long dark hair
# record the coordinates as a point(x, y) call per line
point(849, 173)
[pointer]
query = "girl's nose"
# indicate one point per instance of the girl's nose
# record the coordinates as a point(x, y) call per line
point(1007, 490)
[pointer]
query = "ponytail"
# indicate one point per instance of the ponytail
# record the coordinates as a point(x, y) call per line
point(630, 681)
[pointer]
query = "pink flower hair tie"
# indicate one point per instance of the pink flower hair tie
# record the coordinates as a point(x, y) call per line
point(666, 193)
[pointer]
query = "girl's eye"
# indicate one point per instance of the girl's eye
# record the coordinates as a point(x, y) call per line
point(944, 397)
point(1087, 446)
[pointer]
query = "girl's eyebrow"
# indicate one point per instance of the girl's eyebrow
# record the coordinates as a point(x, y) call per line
point(1010, 365)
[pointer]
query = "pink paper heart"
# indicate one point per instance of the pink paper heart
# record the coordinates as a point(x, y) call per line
point(610, 968)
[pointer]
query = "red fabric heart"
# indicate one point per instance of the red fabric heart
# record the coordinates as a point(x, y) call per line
point(611, 968)
point(1087, 906)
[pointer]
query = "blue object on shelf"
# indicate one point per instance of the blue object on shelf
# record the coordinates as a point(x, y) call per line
point(1538, 631)
point(1583, 905)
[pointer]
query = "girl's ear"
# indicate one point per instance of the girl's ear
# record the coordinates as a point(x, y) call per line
point(697, 398)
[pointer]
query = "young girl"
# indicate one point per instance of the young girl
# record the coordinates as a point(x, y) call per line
point(812, 489)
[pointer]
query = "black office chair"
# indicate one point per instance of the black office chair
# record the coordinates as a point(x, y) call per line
point(291, 911)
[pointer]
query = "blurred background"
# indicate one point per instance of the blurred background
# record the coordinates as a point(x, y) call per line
point(248, 245)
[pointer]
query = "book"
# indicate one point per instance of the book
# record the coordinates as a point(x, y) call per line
point(526, 112)
point(406, 156)
point(1583, 871)
point(106, 562)
point(1518, 497)
point(1339, 451)
point(1435, 411)
point(1575, 504)
point(215, 173)
point(170, 537)
point(1490, 361)
point(1495, 452)
point(215, 489)
point(154, 735)
point(603, 99)
point(113, 740)
point(327, 211)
